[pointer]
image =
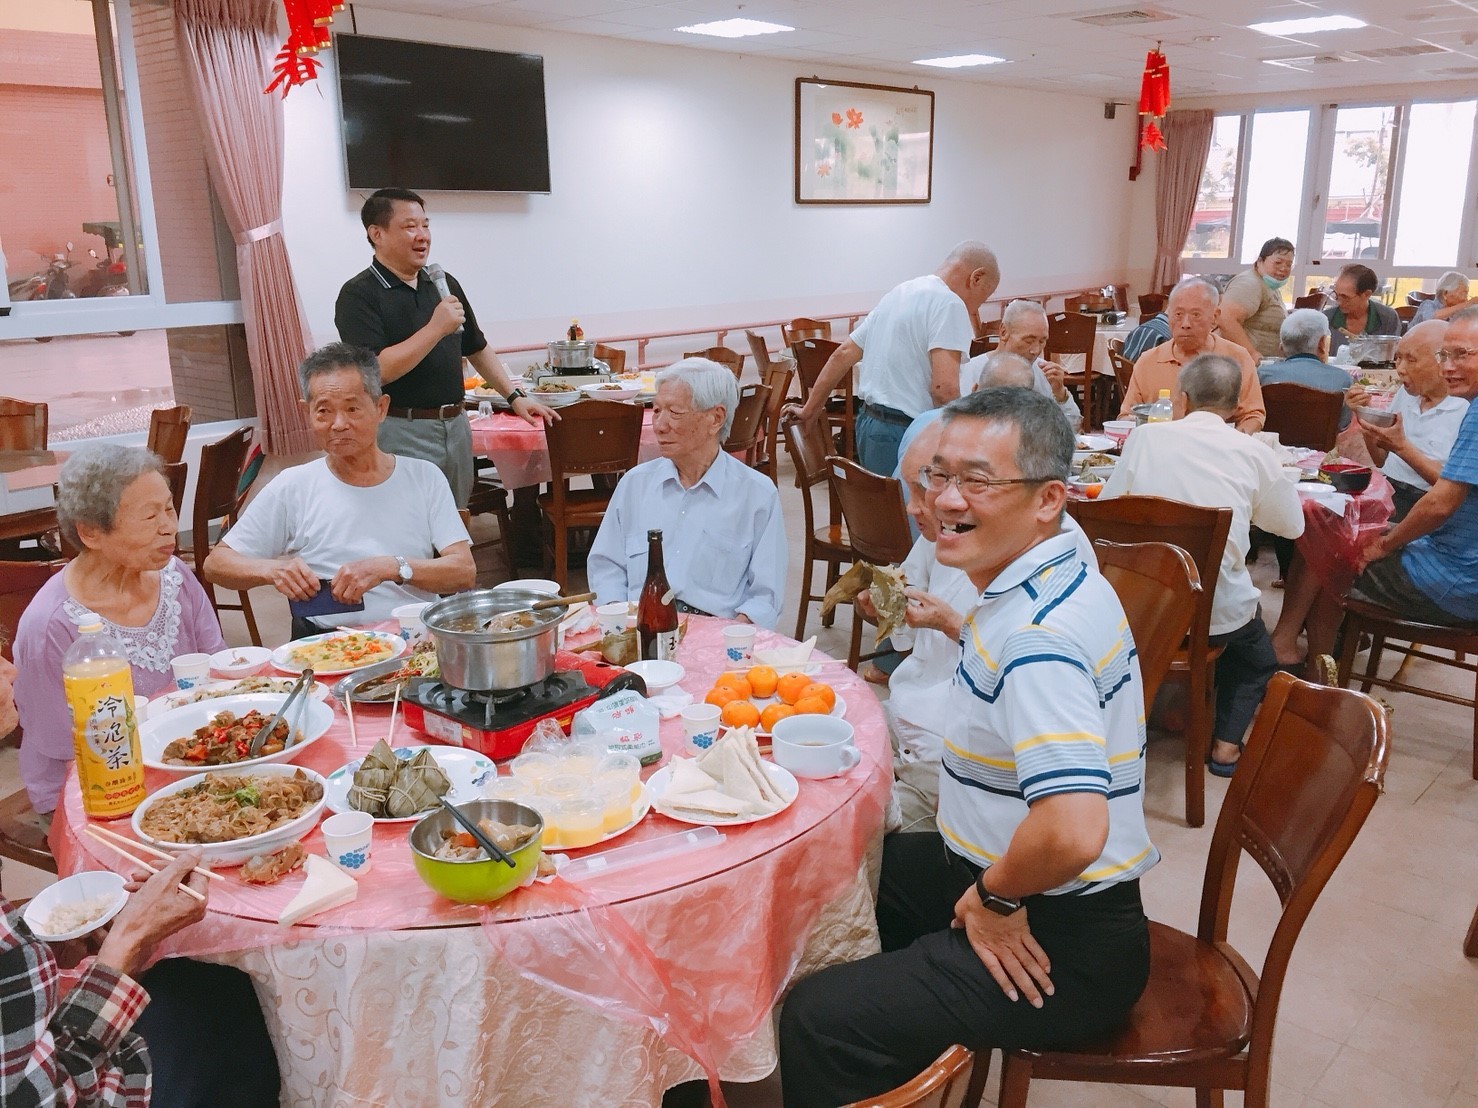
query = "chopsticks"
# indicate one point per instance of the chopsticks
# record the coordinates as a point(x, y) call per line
point(109, 838)
point(494, 851)
point(394, 715)
point(349, 711)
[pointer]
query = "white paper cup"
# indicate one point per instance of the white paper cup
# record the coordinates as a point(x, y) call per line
point(700, 725)
point(814, 746)
point(613, 617)
point(190, 669)
point(409, 618)
point(347, 839)
point(533, 584)
point(739, 646)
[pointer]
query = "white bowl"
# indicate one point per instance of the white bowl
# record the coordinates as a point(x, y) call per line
point(88, 885)
point(236, 851)
point(658, 674)
point(1083, 484)
point(241, 661)
point(601, 390)
point(533, 584)
point(179, 723)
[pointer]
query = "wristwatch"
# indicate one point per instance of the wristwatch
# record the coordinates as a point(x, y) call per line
point(404, 572)
point(1000, 905)
point(516, 394)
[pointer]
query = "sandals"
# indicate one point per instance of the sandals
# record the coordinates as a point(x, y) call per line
point(1221, 769)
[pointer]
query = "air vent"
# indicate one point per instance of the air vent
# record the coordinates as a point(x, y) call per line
point(1402, 51)
point(1461, 71)
point(1126, 18)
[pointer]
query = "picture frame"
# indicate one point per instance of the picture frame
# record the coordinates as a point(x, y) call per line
point(862, 144)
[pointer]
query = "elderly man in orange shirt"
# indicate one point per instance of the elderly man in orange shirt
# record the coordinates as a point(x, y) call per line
point(1194, 309)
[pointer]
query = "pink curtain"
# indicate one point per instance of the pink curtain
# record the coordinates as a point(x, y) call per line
point(1187, 141)
point(228, 47)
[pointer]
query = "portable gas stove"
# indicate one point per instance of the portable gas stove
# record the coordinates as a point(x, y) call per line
point(497, 725)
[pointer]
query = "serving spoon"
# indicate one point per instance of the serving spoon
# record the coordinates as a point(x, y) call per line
point(540, 605)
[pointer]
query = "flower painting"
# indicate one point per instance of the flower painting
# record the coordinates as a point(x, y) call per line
point(862, 144)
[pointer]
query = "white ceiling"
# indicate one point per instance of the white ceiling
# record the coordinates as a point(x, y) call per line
point(1208, 45)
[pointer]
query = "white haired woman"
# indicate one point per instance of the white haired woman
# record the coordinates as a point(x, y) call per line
point(114, 505)
point(1450, 296)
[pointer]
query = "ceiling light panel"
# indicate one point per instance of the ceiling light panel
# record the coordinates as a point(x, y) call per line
point(959, 61)
point(734, 28)
point(1286, 27)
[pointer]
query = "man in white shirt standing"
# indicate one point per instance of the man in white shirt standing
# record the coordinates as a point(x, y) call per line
point(911, 347)
point(1024, 332)
point(1202, 459)
point(723, 538)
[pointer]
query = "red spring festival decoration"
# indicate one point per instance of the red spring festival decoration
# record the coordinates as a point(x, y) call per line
point(307, 23)
point(1154, 99)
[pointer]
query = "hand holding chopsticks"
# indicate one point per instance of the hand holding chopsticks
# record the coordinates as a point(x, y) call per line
point(154, 911)
point(127, 848)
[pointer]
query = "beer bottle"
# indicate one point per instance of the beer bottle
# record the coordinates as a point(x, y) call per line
point(656, 614)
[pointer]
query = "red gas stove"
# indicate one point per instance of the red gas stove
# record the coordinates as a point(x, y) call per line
point(498, 724)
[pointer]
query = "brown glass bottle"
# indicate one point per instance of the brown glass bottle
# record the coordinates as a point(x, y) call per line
point(656, 614)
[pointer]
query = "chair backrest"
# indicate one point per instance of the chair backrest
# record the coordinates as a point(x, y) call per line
point(1416, 296)
point(984, 344)
point(802, 327)
point(177, 474)
point(1072, 333)
point(23, 424)
point(810, 356)
point(777, 378)
point(1311, 300)
point(1310, 773)
point(613, 356)
point(809, 445)
point(1302, 416)
point(19, 584)
point(593, 436)
point(1200, 532)
point(872, 506)
point(723, 356)
point(217, 492)
point(1151, 304)
point(1158, 586)
point(749, 419)
point(168, 430)
point(1405, 312)
point(1123, 370)
point(942, 1085)
point(759, 351)
point(1074, 303)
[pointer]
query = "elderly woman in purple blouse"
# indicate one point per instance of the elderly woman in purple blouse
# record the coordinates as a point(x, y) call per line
point(114, 505)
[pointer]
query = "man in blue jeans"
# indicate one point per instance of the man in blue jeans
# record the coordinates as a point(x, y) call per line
point(911, 347)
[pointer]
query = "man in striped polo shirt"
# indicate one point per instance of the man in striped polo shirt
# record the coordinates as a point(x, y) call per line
point(1018, 923)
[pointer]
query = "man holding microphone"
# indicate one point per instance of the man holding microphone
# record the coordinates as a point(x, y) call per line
point(419, 323)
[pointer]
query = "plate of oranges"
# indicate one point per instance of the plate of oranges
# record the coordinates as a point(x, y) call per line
point(760, 697)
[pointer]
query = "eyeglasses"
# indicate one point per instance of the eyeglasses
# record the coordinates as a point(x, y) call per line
point(972, 484)
point(1458, 354)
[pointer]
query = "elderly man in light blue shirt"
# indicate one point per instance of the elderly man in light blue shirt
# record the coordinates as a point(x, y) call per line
point(723, 537)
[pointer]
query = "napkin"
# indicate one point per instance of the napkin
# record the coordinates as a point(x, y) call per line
point(726, 782)
point(786, 657)
point(670, 703)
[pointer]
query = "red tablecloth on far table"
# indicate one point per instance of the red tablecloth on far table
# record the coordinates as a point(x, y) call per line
point(1331, 543)
point(521, 453)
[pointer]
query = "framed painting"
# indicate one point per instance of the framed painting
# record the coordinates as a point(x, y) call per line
point(862, 144)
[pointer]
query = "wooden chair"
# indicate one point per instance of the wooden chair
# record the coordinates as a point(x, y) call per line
point(982, 344)
point(1159, 588)
point(877, 527)
point(1076, 333)
point(1151, 304)
point(218, 499)
point(1123, 374)
point(1314, 300)
point(19, 584)
point(490, 496)
point(1302, 416)
point(802, 327)
point(759, 351)
point(1381, 624)
point(613, 356)
point(723, 356)
point(23, 425)
point(178, 475)
point(809, 448)
point(1312, 770)
point(1416, 296)
point(810, 358)
point(942, 1085)
point(747, 432)
point(168, 430)
point(1201, 533)
point(592, 437)
point(777, 377)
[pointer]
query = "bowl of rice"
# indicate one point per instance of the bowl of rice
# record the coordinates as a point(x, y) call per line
point(75, 905)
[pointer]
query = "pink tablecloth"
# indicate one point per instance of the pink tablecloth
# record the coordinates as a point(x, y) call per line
point(520, 452)
point(602, 992)
point(1331, 543)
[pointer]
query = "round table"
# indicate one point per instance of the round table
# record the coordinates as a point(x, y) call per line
point(520, 451)
point(602, 992)
point(1337, 528)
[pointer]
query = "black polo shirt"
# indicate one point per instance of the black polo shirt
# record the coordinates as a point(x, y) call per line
point(378, 310)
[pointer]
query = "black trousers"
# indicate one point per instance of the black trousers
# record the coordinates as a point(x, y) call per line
point(1246, 665)
point(857, 1030)
point(207, 1040)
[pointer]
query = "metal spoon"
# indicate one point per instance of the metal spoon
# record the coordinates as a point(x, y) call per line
point(540, 605)
point(493, 849)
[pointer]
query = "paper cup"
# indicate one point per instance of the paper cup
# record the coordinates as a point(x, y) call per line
point(700, 725)
point(190, 669)
point(739, 646)
point(347, 839)
point(613, 617)
point(409, 618)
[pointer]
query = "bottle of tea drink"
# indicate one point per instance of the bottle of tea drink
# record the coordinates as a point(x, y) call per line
point(98, 685)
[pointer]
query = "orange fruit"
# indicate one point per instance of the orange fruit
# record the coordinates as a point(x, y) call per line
point(774, 714)
point(762, 680)
point(739, 713)
point(789, 687)
point(720, 695)
point(821, 692)
point(811, 706)
point(736, 682)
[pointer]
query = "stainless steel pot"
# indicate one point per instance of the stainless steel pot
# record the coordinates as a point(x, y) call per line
point(571, 354)
point(492, 661)
point(1378, 351)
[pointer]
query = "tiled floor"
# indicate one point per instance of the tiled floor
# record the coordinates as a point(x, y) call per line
point(1379, 1007)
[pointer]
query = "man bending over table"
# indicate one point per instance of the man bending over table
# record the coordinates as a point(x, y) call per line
point(723, 538)
point(1019, 922)
point(357, 532)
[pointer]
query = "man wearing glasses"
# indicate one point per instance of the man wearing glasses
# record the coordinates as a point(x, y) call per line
point(1017, 923)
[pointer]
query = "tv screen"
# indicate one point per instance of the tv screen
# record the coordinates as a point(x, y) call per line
point(428, 117)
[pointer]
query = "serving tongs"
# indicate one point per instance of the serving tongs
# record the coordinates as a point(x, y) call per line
point(494, 850)
point(540, 605)
point(301, 685)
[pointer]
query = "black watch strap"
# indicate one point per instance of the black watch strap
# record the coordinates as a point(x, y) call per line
point(516, 394)
point(1000, 905)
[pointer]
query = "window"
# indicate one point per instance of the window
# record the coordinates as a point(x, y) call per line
point(1434, 176)
point(1273, 189)
point(1359, 182)
point(1211, 226)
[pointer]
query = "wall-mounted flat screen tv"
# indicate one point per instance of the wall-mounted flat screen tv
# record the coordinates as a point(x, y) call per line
point(442, 118)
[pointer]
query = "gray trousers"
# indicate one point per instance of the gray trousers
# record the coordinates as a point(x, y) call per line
point(445, 443)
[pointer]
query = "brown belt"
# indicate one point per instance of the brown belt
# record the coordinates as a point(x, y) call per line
point(446, 411)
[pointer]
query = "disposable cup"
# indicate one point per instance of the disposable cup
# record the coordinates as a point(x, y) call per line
point(409, 618)
point(613, 617)
point(739, 646)
point(347, 840)
point(190, 669)
point(700, 725)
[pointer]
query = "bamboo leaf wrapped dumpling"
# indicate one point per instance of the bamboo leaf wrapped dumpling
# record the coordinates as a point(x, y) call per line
point(419, 784)
point(365, 798)
point(372, 780)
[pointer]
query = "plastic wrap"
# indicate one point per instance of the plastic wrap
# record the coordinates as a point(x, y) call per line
point(1331, 543)
point(520, 452)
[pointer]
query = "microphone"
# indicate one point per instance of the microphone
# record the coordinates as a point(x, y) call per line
point(438, 278)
